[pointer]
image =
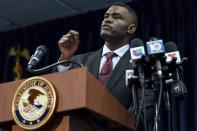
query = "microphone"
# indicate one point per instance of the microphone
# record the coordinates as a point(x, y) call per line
point(155, 49)
point(172, 53)
point(155, 46)
point(173, 60)
point(137, 49)
point(137, 56)
point(137, 52)
point(36, 57)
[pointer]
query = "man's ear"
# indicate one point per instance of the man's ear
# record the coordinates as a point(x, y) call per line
point(132, 28)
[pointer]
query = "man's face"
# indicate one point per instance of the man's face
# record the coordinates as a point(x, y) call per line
point(116, 23)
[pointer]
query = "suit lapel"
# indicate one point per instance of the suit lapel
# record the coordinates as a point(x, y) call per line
point(119, 70)
point(95, 63)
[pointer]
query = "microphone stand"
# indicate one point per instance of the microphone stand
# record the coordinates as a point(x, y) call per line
point(168, 84)
point(142, 84)
point(157, 79)
point(168, 107)
point(157, 108)
point(142, 102)
point(141, 76)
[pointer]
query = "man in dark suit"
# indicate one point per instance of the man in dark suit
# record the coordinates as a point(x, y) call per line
point(117, 29)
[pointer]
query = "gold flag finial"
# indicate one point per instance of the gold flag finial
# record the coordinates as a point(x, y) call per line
point(18, 53)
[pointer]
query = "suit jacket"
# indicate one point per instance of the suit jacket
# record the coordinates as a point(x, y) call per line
point(116, 83)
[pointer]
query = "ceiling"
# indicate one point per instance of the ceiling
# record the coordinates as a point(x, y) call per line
point(21, 13)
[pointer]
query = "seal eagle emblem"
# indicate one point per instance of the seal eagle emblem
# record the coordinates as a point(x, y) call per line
point(34, 103)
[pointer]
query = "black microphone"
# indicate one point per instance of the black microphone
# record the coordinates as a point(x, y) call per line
point(155, 50)
point(137, 52)
point(138, 56)
point(172, 53)
point(139, 63)
point(173, 60)
point(36, 57)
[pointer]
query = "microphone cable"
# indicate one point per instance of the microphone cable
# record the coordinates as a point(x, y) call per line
point(41, 70)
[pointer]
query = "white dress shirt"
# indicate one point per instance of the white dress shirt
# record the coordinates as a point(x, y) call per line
point(119, 53)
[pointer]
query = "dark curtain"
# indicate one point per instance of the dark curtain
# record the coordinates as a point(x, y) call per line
point(171, 20)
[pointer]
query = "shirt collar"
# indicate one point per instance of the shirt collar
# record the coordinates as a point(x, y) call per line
point(120, 51)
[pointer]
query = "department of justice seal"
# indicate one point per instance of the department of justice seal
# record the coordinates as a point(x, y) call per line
point(34, 103)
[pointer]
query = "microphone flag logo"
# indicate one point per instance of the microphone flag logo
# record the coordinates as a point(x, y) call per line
point(155, 47)
point(173, 55)
point(137, 52)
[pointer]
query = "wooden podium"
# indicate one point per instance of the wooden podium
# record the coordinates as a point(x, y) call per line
point(83, 104)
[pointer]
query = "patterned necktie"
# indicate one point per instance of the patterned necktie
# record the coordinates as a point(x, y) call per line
point(106, 69)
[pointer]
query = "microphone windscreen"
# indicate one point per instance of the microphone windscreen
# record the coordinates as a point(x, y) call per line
point(136, 42)
point(170, 47)
point(42, 47)
point(154, 38)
